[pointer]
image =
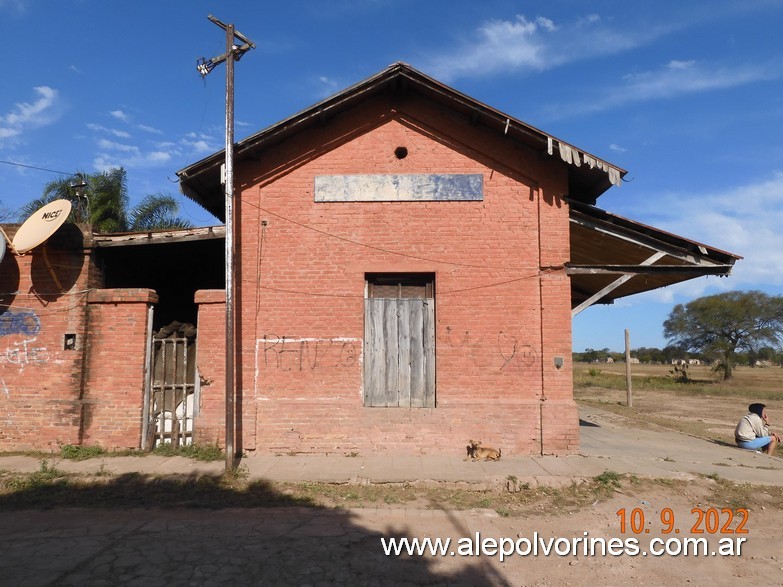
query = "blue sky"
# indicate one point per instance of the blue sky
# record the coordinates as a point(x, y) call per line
point(687, 96)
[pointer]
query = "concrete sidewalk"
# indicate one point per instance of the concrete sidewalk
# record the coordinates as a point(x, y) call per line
point(606, 444)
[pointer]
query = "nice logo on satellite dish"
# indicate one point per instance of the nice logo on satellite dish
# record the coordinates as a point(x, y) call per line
point(40, 226)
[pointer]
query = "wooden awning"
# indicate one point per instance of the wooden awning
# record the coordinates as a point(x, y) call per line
point(614, 257)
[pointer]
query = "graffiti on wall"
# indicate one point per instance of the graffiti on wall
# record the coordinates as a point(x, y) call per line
point(515, 354)
point(21, 352)
point(25, 322)
point(508, 353)
point(288, 353)
point(24, 353)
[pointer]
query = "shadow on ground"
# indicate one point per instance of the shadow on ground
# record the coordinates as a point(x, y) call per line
point(46, 489)
point(588, 424)
point(137, 529)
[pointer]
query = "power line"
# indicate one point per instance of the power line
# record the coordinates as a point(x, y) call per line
point(36, 168)
point(366, 245)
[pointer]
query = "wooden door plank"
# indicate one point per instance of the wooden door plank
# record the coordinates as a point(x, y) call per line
point(429, 351)
point(404, 335)
point(391, 390)
point(417, 357)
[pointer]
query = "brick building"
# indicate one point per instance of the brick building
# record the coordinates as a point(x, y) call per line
point(77, 315)
point(408, 261)
point(408, 264)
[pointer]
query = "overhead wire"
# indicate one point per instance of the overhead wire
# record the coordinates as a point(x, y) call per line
point(36, 168)
point(258, 285)
point(369, 246)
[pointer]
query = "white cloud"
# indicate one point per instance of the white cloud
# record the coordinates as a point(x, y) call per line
point(132, 158)
point(201, 147)
point(193, 135)
point(7, 133)
point(685, 77)
point(115, 154)
point(526, 46)
point(674, 64)
point(677, 78)
point(149, 129)
point(744, 220)
point(35, 113)
point(327, 86)
point(202, 144)
point(119, 115)
point(26, 115)
point(112, 131)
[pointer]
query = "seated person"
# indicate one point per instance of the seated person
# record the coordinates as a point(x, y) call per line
point(752, 432)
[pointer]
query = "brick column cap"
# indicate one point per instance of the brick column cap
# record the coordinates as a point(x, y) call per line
point(210, 296)
point(130, 295)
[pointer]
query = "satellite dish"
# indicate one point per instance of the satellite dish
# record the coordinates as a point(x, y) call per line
point(2, 247)
point(41, 225)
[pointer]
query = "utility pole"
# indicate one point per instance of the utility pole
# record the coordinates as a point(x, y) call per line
point(628, 385)
point(234, 52)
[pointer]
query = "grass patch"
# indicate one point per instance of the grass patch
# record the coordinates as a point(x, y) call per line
point(75, 452)
point(608, 480)
point(47, 476)
point(199, 452)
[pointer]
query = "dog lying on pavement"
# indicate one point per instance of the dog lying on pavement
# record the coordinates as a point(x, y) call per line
point(476, 452)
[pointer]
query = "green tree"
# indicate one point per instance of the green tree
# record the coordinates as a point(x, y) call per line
point(103, 202)
point(725, 324)
point(155, 212)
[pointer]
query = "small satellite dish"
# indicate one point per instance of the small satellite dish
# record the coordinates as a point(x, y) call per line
point(2, 247)
point(41, 225)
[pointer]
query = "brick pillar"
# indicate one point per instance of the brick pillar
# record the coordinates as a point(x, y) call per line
point(210, 425)
point(559, 415)
point(115, 367)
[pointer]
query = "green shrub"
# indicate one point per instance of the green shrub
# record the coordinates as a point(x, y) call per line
point(74, 452)
point(199, 452)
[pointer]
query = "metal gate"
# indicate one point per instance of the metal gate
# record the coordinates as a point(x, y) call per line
point(172, 392)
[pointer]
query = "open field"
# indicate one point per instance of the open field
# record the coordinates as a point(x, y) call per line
point(705, 407)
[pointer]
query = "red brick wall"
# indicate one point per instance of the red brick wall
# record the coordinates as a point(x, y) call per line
point(115, 366)
point(502, 298)
point(211, 356)
point(40, 381)
point(50, 395)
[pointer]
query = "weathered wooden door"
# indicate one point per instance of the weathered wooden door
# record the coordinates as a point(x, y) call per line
point(399, 352)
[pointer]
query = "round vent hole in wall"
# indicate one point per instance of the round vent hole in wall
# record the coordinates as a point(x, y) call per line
point(401, 152)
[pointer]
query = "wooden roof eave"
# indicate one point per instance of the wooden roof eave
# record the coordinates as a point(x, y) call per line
point(670, 258)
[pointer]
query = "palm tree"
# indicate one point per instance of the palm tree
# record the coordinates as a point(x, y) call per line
point(156, 211)
point(103, 202)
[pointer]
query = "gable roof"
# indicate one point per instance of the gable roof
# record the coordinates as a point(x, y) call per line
point(588, 176)
point(608, 252)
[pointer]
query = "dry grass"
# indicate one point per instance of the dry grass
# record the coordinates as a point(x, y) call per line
point(705, 407)
point(50, 488)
